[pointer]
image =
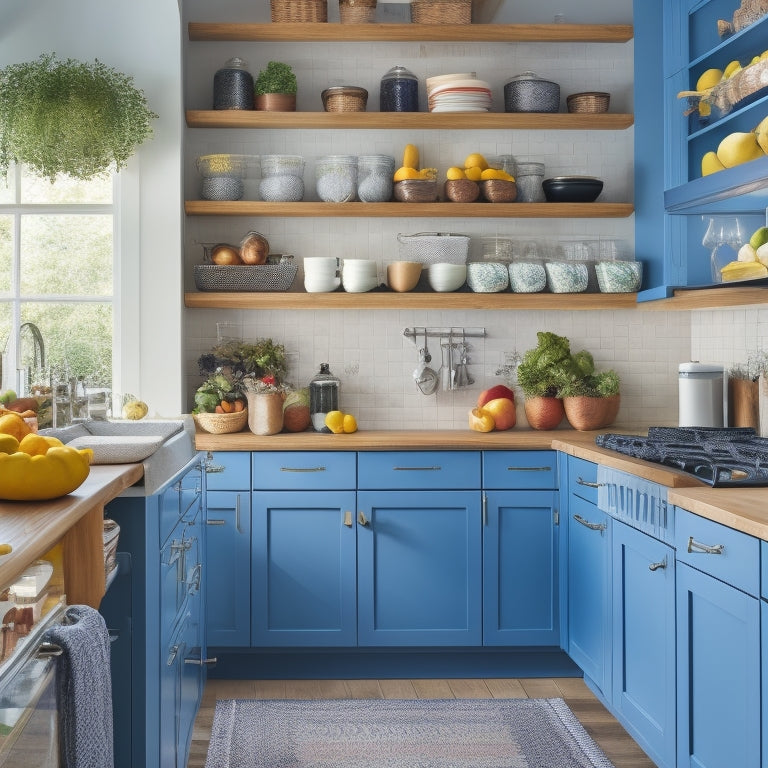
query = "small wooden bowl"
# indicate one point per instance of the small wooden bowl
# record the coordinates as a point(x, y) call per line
point(461, 190)
point(416, 191)
point(499, 190)
point(403, 276)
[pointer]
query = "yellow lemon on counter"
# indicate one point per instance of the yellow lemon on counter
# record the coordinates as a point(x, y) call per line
point(8, 444)
point(454, 173)
point(476, 160)
point(349, 424)
point(709, 79)
point(334, 420)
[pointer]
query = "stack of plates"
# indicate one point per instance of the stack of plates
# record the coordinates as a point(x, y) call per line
point(461, 92)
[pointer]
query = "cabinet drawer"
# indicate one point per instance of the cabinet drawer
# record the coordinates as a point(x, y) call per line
point(764, 570)
point(726, 554)
point(303, 470)
point(419, 470)
point(582, 479)
point(228, 470)
point(519, 469)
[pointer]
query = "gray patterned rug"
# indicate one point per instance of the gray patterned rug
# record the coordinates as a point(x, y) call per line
point(381, 733)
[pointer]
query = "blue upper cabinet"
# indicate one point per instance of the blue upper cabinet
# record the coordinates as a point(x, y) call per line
point(686, 221)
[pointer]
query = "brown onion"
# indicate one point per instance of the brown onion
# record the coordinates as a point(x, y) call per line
point(254, 249)
point(225, 254)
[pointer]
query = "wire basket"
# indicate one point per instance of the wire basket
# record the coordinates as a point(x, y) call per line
point(588, 102)
point(222, 423)
point(441, 11)
point(257, 277)
point(357, 11)
point(434, 248)
point(299, 11)
point(344, 98)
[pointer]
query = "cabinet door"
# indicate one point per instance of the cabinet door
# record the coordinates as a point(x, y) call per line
point(520, 595)
point(228, 572)
point(589, 607)
point(718, 680)
point(419, 568)
point(644, 640)
point(303, 579)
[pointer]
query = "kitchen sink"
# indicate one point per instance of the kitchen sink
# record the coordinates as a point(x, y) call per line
point(163, 446)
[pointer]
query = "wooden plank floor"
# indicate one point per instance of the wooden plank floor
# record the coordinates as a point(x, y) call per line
point(602, 727)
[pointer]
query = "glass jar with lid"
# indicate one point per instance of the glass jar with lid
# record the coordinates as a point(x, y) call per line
point(233, 86)
point(336, 178)
point(399, 91)
point(323, 397)
point(529, 178)
point(374, 178)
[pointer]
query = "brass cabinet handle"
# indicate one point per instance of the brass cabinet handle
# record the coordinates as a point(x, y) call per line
point(361, 518)
point(348, 518)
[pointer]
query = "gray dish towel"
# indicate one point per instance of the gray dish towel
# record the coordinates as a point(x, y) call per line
point(84, 689)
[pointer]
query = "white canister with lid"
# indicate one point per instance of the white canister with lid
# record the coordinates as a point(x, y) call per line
point(700, 395)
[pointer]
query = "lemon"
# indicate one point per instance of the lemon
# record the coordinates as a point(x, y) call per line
point(8, 444)
point(135, 410)
point(401, 174)
point(474, 173)
point(34, 444)
point(334, 420)
point(455, 173)
point(710, 163)
point(709, 79)
point(739, 147)
point(476, 160)
point(349, 423)
point(411, 156)
point(732, 68)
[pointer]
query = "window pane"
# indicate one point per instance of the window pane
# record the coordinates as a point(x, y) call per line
point(8, 372)
point(66, 255)
point(6, 253)
point(65, 190)
point(7, 187)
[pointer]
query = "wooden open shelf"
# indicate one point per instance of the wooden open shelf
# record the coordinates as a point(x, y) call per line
point(488, 33)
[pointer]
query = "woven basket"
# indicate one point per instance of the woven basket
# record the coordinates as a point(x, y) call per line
point(299, 11)
point(589, 101)
point(433, 248)
point(415, 191)
point(461, 190)
point(499, 190)
point(441, 11)
point(749, 80)
point(345, 98)
point(357, 12)
point(244, 277)
point(222, 423)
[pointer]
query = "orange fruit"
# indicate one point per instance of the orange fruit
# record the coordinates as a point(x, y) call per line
point(14, 424)
point(227, 407)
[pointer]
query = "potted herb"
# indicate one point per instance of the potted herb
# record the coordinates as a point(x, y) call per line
point(275, 88)
point(70, 117)
point(254, 360)
point(591, 399)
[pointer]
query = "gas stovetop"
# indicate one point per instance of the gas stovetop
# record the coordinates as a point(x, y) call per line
point(723, 458)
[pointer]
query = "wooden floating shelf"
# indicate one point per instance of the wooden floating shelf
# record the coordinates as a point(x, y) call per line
point(712, 298)
point(394, 301)
point(488, 33)
point(556, 121)
point(412, 210)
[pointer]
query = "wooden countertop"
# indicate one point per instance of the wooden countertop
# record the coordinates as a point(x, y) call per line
point(33, 528)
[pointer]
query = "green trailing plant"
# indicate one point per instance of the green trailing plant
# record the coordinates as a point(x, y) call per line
point(276, 78)
point(70, 117)
point(262, 359)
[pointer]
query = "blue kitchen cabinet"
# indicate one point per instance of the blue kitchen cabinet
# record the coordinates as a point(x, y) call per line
point(588, 576)
point(718, 645)
point(228, 528)
point(520, 549)
point(158, 609)
point(764, 645)
point(643, 637)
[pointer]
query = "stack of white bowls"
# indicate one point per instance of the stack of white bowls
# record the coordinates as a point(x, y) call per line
point(359, 275)
point(321, 274)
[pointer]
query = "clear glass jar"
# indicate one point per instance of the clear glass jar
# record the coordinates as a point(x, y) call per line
point(399, 91)
point(323, 397)
point(282, 178)
point(233, 86)
point(336, 178)
point(374, 178)
point(529, 177)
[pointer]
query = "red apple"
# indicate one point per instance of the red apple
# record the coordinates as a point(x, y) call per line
point(503, 411)
point(493, 393)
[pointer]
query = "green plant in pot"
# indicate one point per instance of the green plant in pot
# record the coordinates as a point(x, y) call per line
point(275, 88)
point(591, 398)
point(70, 117)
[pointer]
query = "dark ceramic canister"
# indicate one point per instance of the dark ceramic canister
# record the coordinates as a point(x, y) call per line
point(399, 91)
point(323, 397)
point(233, 86)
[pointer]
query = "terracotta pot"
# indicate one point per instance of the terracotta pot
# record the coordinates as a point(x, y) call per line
point(544, 412)
point(586, 413)
point(275, 102)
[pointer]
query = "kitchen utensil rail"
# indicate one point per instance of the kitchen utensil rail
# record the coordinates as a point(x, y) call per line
point(420, 330)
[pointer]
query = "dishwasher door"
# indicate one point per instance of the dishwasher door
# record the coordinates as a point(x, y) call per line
point(29, 735)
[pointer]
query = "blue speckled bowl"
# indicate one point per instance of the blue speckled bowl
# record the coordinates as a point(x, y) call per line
point(487, 277)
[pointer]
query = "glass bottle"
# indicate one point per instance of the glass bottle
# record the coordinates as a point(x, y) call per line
point(233, 86)
point(323, 397)
point(399, 91)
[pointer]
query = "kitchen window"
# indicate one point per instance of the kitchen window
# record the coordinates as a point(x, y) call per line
point(58, 258)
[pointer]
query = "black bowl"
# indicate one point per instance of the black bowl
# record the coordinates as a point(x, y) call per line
point(572, 189)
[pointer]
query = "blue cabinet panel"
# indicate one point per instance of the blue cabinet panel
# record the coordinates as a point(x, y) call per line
point(303, 583)
point(228, 470)
point(419, 470)
point(303, 470)
point(228, 581)
point(520, 576)
point(419, 568)
point(643, 633)
point(582, 479)
point(519, 469)
point(718, 683)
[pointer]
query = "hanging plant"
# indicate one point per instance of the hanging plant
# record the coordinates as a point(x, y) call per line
point(70, 117)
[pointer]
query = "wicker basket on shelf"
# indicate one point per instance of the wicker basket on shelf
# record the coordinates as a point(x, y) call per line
point(441, 11)
point(499, 190)
point(299, 11)
point(222, 423)
point(344, 98)
point(588, 102)
point(416, 191)
point(357, 11)
point(461, 190)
